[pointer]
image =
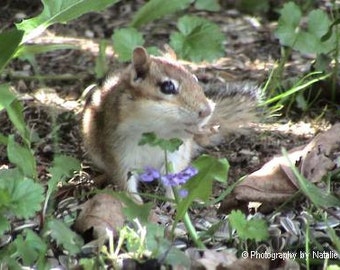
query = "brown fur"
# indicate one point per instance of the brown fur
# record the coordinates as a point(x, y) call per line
point(116, 115)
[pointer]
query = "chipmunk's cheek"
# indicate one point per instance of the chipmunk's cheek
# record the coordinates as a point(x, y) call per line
point(212, 105)
point(204, 120)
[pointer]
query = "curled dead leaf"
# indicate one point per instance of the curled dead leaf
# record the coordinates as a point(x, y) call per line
point(212, 259)
point(275, 182)
point(101, 213)
point(227, 260)
point(321, 154)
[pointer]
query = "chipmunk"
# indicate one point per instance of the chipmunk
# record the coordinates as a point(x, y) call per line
point(154, 94)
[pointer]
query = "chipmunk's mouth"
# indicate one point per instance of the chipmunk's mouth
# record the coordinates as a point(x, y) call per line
point(202, 130)
point(192, 128)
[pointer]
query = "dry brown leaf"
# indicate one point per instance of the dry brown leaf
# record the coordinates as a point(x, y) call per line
point(227, 260)
point(275, 182)
point(267, 184)
point(101, 213)
point(212, 259)
point(262, 264)
point(270, 183)
point(320, 154)
point(249, 264)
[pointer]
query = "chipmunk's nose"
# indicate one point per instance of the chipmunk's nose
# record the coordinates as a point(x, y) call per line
point(205, 111)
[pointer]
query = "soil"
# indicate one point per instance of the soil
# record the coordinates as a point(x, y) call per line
point(51, 86)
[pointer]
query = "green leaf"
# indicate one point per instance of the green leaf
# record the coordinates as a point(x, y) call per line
point(7, 260)
point(318, 23)
point(151, 139)
point(301, 102)
point(17, 118)
point(333, 267)
point(6, 96)
point(4, 224)
point(198, 39)
point(64, 166)
point(30, 247)
point(60, 11)
point(9, 43)
point(254, 229)
point(14, 110)
point(133, 210)
point(212, 167)
point(290, 15)
point(175, 257)
point(252, 6)
point(159, 246)
point(200, 186)
point(286, 34)
point(64, 236)
point(153, 50)
point(322, 62)
point(155, 9)
point(330, 30)
point(88, 263)
point(308, 43)
point(26, 51)
point(27, 197)
point(287, 30)
point(22, 157)
point(101, 66)
point(5, 195)
point(152, 241)
point(210, 5)
point(3, 139)
point(317, 39)
point(24, 194)
point(125, 40)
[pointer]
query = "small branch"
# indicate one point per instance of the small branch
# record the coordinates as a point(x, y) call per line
point(61, 77)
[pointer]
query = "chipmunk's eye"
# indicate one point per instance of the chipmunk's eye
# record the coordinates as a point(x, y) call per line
point(168, 87)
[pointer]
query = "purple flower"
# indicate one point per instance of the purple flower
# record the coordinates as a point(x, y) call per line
point(183, 193)
point(150, 174)
point(188, 173)
point(170, 180)
point(176, 179)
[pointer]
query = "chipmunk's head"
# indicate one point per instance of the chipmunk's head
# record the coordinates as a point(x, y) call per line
point(169, 90)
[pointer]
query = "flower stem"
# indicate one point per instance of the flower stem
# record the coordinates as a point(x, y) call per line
point(167, 169)
point(188, 224)
point(186, 218)
point(192, 231)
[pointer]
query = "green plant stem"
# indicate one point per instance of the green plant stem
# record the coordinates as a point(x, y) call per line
point(192, 231)
point(336, 56)
point(277, 74)
point(188, 225)
point(186, 218)
point(167, 169)
point(299, 86)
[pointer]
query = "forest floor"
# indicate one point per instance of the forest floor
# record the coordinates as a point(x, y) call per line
point(52, 83)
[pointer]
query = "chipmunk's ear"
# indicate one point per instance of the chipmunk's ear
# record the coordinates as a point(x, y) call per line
point(140, 62)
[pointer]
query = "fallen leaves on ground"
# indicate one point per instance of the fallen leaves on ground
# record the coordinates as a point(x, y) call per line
point(101, 214)
point(227, 260)
point(275, 182)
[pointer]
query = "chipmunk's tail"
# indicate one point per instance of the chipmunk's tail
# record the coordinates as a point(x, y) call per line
point(237, 108)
